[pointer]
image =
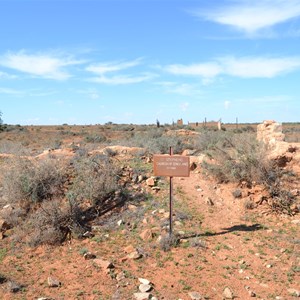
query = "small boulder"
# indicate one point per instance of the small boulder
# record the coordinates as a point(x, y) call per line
point(144, 281)
point(146, 235)
point(134, 255)
point(150, 182)
point(209, 201)
point(193, 166)
point(53, 282)
point(103, 264)
point(294, 292)
point(120, 276)
point(142, 296)
point(13, 287)
point(129, 249)
point(89, 255)
point(4, 225)
point(227, 293)
point(195, 296)
point(144, 288)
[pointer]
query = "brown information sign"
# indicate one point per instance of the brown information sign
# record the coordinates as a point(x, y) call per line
point(171, 165)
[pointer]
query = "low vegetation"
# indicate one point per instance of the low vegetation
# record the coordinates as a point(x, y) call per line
point(241, 158)
point(87, 189)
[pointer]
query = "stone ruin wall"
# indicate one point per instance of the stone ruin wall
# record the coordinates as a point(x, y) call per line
point(270, 133)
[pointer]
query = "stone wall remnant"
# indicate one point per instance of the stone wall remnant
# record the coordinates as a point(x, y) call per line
point(270, 132)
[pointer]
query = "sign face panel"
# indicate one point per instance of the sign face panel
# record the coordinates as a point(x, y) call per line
point(171, 165)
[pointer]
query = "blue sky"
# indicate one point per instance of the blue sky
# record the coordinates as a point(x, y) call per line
point(136, 61)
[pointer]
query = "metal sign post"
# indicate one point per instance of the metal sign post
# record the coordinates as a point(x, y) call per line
point(171, 166)
point(171, 200)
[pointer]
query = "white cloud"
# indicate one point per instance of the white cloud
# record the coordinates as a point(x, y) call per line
point(48, 66)
point(226, 104)
point(122, 79)
point(5, 75)
point(243, 67)
point(207, 70)
point(12, 92)
point(251, 67)
point(184, 89)
point(102, 69)
point(252, 16)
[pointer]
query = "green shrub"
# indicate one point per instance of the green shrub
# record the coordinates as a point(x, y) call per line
point(95, 178)
point(167, 242)
point(240, 158)
point(28, 182)
point(95, 139)
point(237, 158)
point(155, 141)
point(54, 221)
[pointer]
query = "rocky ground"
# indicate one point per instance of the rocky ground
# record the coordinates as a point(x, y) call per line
point(223, 248)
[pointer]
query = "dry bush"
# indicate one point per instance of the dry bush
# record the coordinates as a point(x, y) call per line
point(155, 141)
point(95, 178)
point(240, 158)
point(95, 139)
point(54, 221)
point(27, 182)
point(15, 148)
point(167, 242)
point(237, 193)
point(249, 204)
point(237, 158)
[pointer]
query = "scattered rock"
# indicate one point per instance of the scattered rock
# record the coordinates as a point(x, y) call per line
point(88, 234)
point(140, 178)
point(144, 281)
point(178, 223)
point(2, 278)
point(187, 152)
point(150, 182)
point(13, 287)
point(53, 282)
point(227, 293)
point(132, 207)
point(103, 264)
point(294, 193)
point(155, 188)
point(193, 166)
point(296, 222)
point(120, 276)
point(252, 294)
point(89, 255)
point(120, 222)
point(129, 249)
point(142, 296)
point(3, 225)
point(96, 228)
point(134, 255)
point(209, 201)
point(145, 288)
point(195, 296)
point(294, 292)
